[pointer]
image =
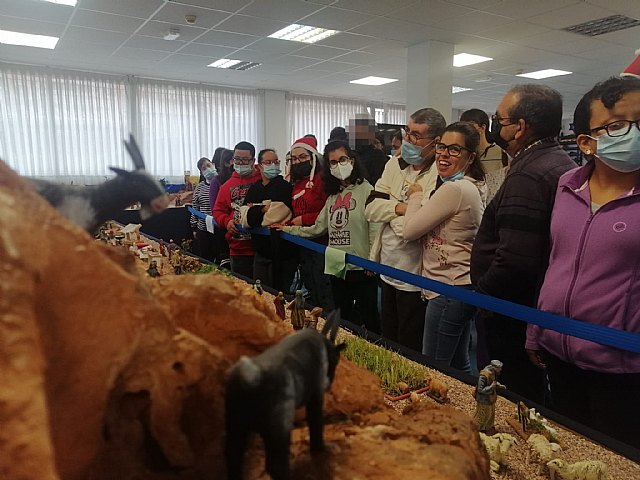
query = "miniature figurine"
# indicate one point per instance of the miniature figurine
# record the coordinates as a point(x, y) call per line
point(437, 389)
point(186, 245)
point(257, 286)
point(486, 395)
point(588, 469)
point(497, 447)
point(312, 320)
point(279, 303)
point(523, 415)
point(297, 311)
point(153, 269)
point(176, 262)
point(162, 248)
point(263, 392)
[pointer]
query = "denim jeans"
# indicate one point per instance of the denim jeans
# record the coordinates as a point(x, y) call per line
point(447, 331)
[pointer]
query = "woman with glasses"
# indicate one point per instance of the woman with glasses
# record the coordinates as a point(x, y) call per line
point(342, 218)
point(205, 241)
point(594, 267)
point(447, 222)
point(223, 162)
point(304, 167)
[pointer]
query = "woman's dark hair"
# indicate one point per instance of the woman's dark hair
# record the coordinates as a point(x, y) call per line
point(477, 116)
point(471, 141)
point(332, 185)
point(216, 157)
point(199, 164)
point(609, 93)
point(263, 151)
point(225, 171)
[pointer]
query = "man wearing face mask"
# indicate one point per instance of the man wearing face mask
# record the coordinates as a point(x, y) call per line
point(403, 310)
point(226, 210)
point(269, 201)
point(511, 249)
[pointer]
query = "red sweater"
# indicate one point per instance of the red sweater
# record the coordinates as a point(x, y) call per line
point(230, 199)
point(310, 203)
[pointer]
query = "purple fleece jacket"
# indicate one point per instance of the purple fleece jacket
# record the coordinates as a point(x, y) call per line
point(593, 274)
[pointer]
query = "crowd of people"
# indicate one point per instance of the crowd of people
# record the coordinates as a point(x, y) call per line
point(537, 230)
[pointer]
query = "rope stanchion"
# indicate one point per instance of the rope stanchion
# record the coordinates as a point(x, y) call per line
point(611, 337)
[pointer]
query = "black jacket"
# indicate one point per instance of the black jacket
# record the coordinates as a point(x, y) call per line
point(373, 161)
point(511, 250)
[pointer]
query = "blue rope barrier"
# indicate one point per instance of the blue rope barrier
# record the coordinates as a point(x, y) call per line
point(611, 337)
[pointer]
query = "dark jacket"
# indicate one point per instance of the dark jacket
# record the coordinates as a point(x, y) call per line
point(277, 190)
point(373, 161)
point(511, 250)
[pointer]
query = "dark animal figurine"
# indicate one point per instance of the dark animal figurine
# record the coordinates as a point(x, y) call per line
point(90, 207)
point(263, 393)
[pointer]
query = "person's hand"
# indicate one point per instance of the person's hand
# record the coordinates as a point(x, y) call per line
point(265, 208)
point(277, 226)
point(414, 188)
point(297, 221)
point(231, 227)
point(369, 273)
point(401, 209)
point(194, 233)
point(536, 358)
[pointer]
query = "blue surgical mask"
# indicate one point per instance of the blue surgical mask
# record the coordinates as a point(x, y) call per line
point(271, 171)
point(243, 170)
point(620, 153)
point(412, 154)
point(209, 173)
point(456, 176)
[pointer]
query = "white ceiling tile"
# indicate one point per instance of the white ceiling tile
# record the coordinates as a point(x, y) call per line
point(513, 31)
point(137, 8)
point(249, 55)
point(330, 66)
point(153, 43)
point(476, 22)
point(394, 30)
point(292, 62)
point(24, 25)
point(227, 39)
point(321, 52)
point(84, 52)
point(80, 35)
point(519, 10)
point(106, 21)
point(147, 56)
point(43, 11)
point(251, 25)
point(374, 7)
point(570, 15)
point(211, 51)
point(476, 4)
point(358, 58)
point(283, 10)
point(348, 41)
point(429, 12)
point(192, 61)
point(624, 7)
point(174, 13)
point(273, 45)
point(225, 5)
point(629, 37)
point(337, 19)
point(160, 29)
point(388, 47)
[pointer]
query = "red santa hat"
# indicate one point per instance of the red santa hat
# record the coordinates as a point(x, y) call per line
point(311, 146)
point(633, 70)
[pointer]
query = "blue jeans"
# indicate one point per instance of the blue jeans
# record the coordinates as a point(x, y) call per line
point(447, 331)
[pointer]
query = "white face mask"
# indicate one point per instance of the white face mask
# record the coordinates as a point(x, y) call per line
point(342, 172)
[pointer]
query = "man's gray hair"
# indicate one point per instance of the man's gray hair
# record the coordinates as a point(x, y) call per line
point(431, 117)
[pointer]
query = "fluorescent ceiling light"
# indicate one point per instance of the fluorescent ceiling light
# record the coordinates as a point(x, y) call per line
point(464, 59)
point(27, 39)
point(550, 72)
point(303, 33)
point(374, 81)
point(455, 89)
point(71, 3)
point(224, 63)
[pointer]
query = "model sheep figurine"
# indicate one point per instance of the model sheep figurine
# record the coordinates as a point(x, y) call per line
point(437, 389)
point(497, 447)
point(543, 450)
point(585, 470)
point(263, 392)
point(90, 207)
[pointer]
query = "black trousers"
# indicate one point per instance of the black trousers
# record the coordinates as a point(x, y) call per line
point(607, 402)
point(276, 274)
point(505, 338)
point(402, 316)
point(357, 298)
point(206, 245)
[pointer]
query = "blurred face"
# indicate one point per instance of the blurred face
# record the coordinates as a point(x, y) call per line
point(451, 154)
point(378, 144)
point(396, 143)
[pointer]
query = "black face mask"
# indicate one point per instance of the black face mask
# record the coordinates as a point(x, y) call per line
point(494, 133)
point(300, 170)
point(489, 136)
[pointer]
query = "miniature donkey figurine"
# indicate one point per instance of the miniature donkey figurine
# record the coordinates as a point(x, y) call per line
point(264, 391)
point(90, 207)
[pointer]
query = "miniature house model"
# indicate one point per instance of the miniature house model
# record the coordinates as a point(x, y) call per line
point(131, 232)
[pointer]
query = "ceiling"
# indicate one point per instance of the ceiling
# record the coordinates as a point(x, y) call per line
point(125, 37)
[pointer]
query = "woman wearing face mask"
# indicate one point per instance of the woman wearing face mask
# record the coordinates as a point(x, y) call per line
point(448, 222)
point(342, 218)
point(205, 242)
point(594, 267)
point(268, 201)
point(304, 167)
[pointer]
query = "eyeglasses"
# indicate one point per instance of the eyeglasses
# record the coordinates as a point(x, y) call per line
point(341, 161)
point(243, 160)
point(454, 150)
point(270, 162)
point(300, 158)
point(618, 128)
point(409, 135)
point(497, 119)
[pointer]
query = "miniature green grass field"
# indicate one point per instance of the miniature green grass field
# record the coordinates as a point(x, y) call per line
point(391, 367)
